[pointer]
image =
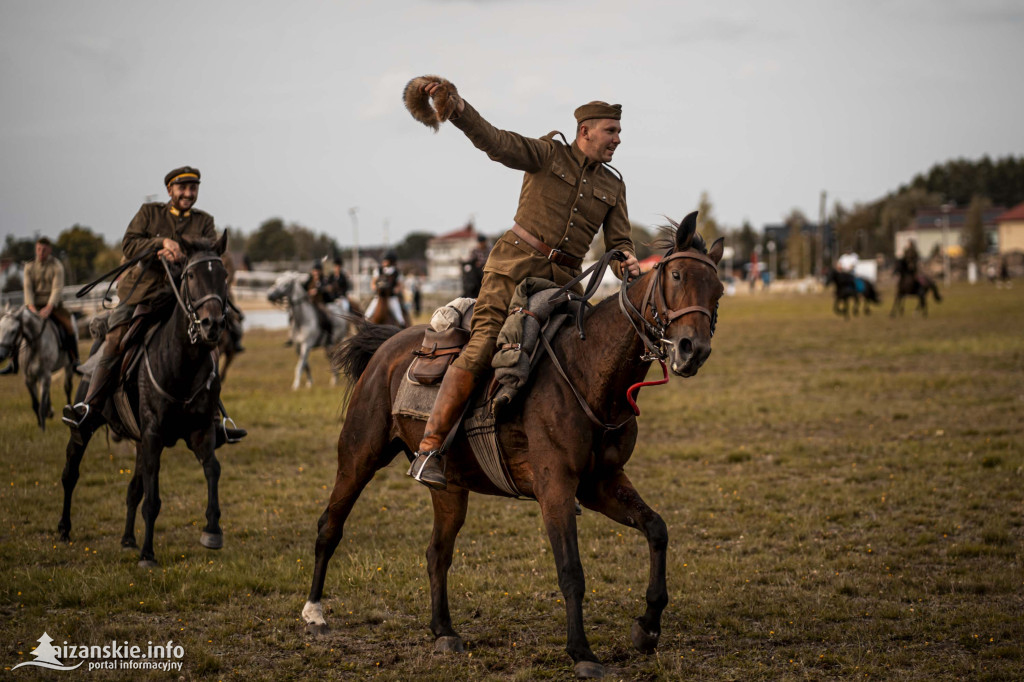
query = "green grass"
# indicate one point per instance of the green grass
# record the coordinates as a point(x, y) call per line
point(844, 500)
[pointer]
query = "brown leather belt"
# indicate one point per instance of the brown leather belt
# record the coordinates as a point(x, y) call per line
point(553, 255)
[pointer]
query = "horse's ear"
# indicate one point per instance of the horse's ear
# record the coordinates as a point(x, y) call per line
point(222, 243)
point(717, 249)
point(687, 228)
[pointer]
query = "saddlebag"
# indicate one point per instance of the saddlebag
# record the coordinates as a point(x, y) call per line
point(437, 351)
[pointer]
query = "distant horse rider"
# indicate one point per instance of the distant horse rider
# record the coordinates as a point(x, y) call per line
point(44, 288)
point(387, 282)
point(567, 195)
point(316, 287)
point(473, 267)
point(337, 285)
point(161, 226)
point(911, 263)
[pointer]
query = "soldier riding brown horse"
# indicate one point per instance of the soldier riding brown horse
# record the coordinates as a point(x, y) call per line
point(569, 437)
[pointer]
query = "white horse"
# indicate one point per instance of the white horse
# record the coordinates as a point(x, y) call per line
point(306, 333)
point(39, 353)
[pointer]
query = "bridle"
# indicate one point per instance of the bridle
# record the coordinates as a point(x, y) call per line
point(652, 332)
point(184, 297)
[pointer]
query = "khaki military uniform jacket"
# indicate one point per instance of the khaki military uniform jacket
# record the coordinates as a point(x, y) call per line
point(150, 226)
point(564, 201)
point(565, 197)
point(44, 283)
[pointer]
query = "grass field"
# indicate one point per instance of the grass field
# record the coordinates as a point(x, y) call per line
point(845, 499)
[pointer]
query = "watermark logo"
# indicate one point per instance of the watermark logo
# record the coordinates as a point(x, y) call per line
point(113, 656)
point(46, 656)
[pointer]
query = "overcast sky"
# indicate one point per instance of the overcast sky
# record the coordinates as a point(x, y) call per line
point(293, 109)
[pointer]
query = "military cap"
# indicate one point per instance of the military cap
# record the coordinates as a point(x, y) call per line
point(318, 266)
point(181, 176)
point(597, 109)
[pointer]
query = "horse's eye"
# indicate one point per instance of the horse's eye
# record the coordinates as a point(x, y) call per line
point(675, 275)
point(191, 275)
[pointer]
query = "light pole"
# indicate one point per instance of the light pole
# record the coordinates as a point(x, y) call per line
point(355, 247)
point(946, 277)
point(771, 260)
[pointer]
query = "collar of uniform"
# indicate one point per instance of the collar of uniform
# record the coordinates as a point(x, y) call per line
point(176, 212)
point(581, 159)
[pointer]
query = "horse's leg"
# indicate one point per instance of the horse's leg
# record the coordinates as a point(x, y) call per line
point(449, 515)
point(305, 364)
point(334, 372)
point(147, 463)
point(617, 499)
point(69, 377)
point(69, 478)
point(45, 409)
point(557, 496)
point(362, 450)
point(131, 503)
point(30, 384)
point(298, 365)
point(202, 444)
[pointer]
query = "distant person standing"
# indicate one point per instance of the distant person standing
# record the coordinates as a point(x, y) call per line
point(44, 288)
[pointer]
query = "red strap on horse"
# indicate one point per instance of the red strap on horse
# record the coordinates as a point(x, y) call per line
point(636, 387)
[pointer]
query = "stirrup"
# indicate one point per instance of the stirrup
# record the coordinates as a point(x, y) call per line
point(423, 459)
point(227, 431)
point(70, 413)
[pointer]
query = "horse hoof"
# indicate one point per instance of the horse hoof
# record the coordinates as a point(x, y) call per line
point(148, 563)
point(129, 544)
point(589, 670)
point(316, 629)
point(65, 538)
point(643, 641)
point(211, 540)
point(449, 645)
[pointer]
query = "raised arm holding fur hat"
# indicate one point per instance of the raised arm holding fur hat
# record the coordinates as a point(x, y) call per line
point(568, 194)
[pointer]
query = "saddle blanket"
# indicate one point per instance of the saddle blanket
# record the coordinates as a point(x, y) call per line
point(415, 400)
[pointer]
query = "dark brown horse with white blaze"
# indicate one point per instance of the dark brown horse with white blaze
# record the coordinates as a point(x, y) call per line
point(175, 395)
point(554, 451)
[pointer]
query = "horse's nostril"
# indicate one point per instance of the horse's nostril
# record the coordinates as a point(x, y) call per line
point(686, 347)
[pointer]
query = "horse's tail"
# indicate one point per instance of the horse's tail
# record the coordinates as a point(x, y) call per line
point(935, 291)
point(352, 355)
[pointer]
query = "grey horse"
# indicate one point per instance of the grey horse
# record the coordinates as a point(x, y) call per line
point(39, 353)
point(306, 333)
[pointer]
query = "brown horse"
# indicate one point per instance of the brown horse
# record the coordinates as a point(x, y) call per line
point(554, 450)
point(911, 282)
point(379, 311)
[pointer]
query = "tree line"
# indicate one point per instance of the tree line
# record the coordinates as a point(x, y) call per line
point(870, 227)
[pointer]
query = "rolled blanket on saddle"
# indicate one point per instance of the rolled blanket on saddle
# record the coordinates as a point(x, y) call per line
point(532, 311)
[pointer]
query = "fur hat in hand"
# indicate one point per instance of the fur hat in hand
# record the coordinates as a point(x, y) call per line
point(418, 102)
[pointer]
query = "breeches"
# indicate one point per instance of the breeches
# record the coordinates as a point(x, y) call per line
point(63, 317)
point(488, 317)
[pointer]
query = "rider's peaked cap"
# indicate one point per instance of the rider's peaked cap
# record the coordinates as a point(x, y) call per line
point(182, 176)
point(597, 109)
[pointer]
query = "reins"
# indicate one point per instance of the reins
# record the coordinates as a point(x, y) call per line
point(188, 306)
point(662, 315)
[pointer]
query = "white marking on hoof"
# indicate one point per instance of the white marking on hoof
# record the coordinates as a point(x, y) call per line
point(148, 563)
point(450, 644)
point(589, 670)
point(211, 540)
point(313, 614)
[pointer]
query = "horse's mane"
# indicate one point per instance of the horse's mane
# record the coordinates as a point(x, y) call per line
point(666, 238)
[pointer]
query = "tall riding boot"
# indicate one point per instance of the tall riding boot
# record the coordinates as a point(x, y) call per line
point(100, 384)
point(456, 389)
